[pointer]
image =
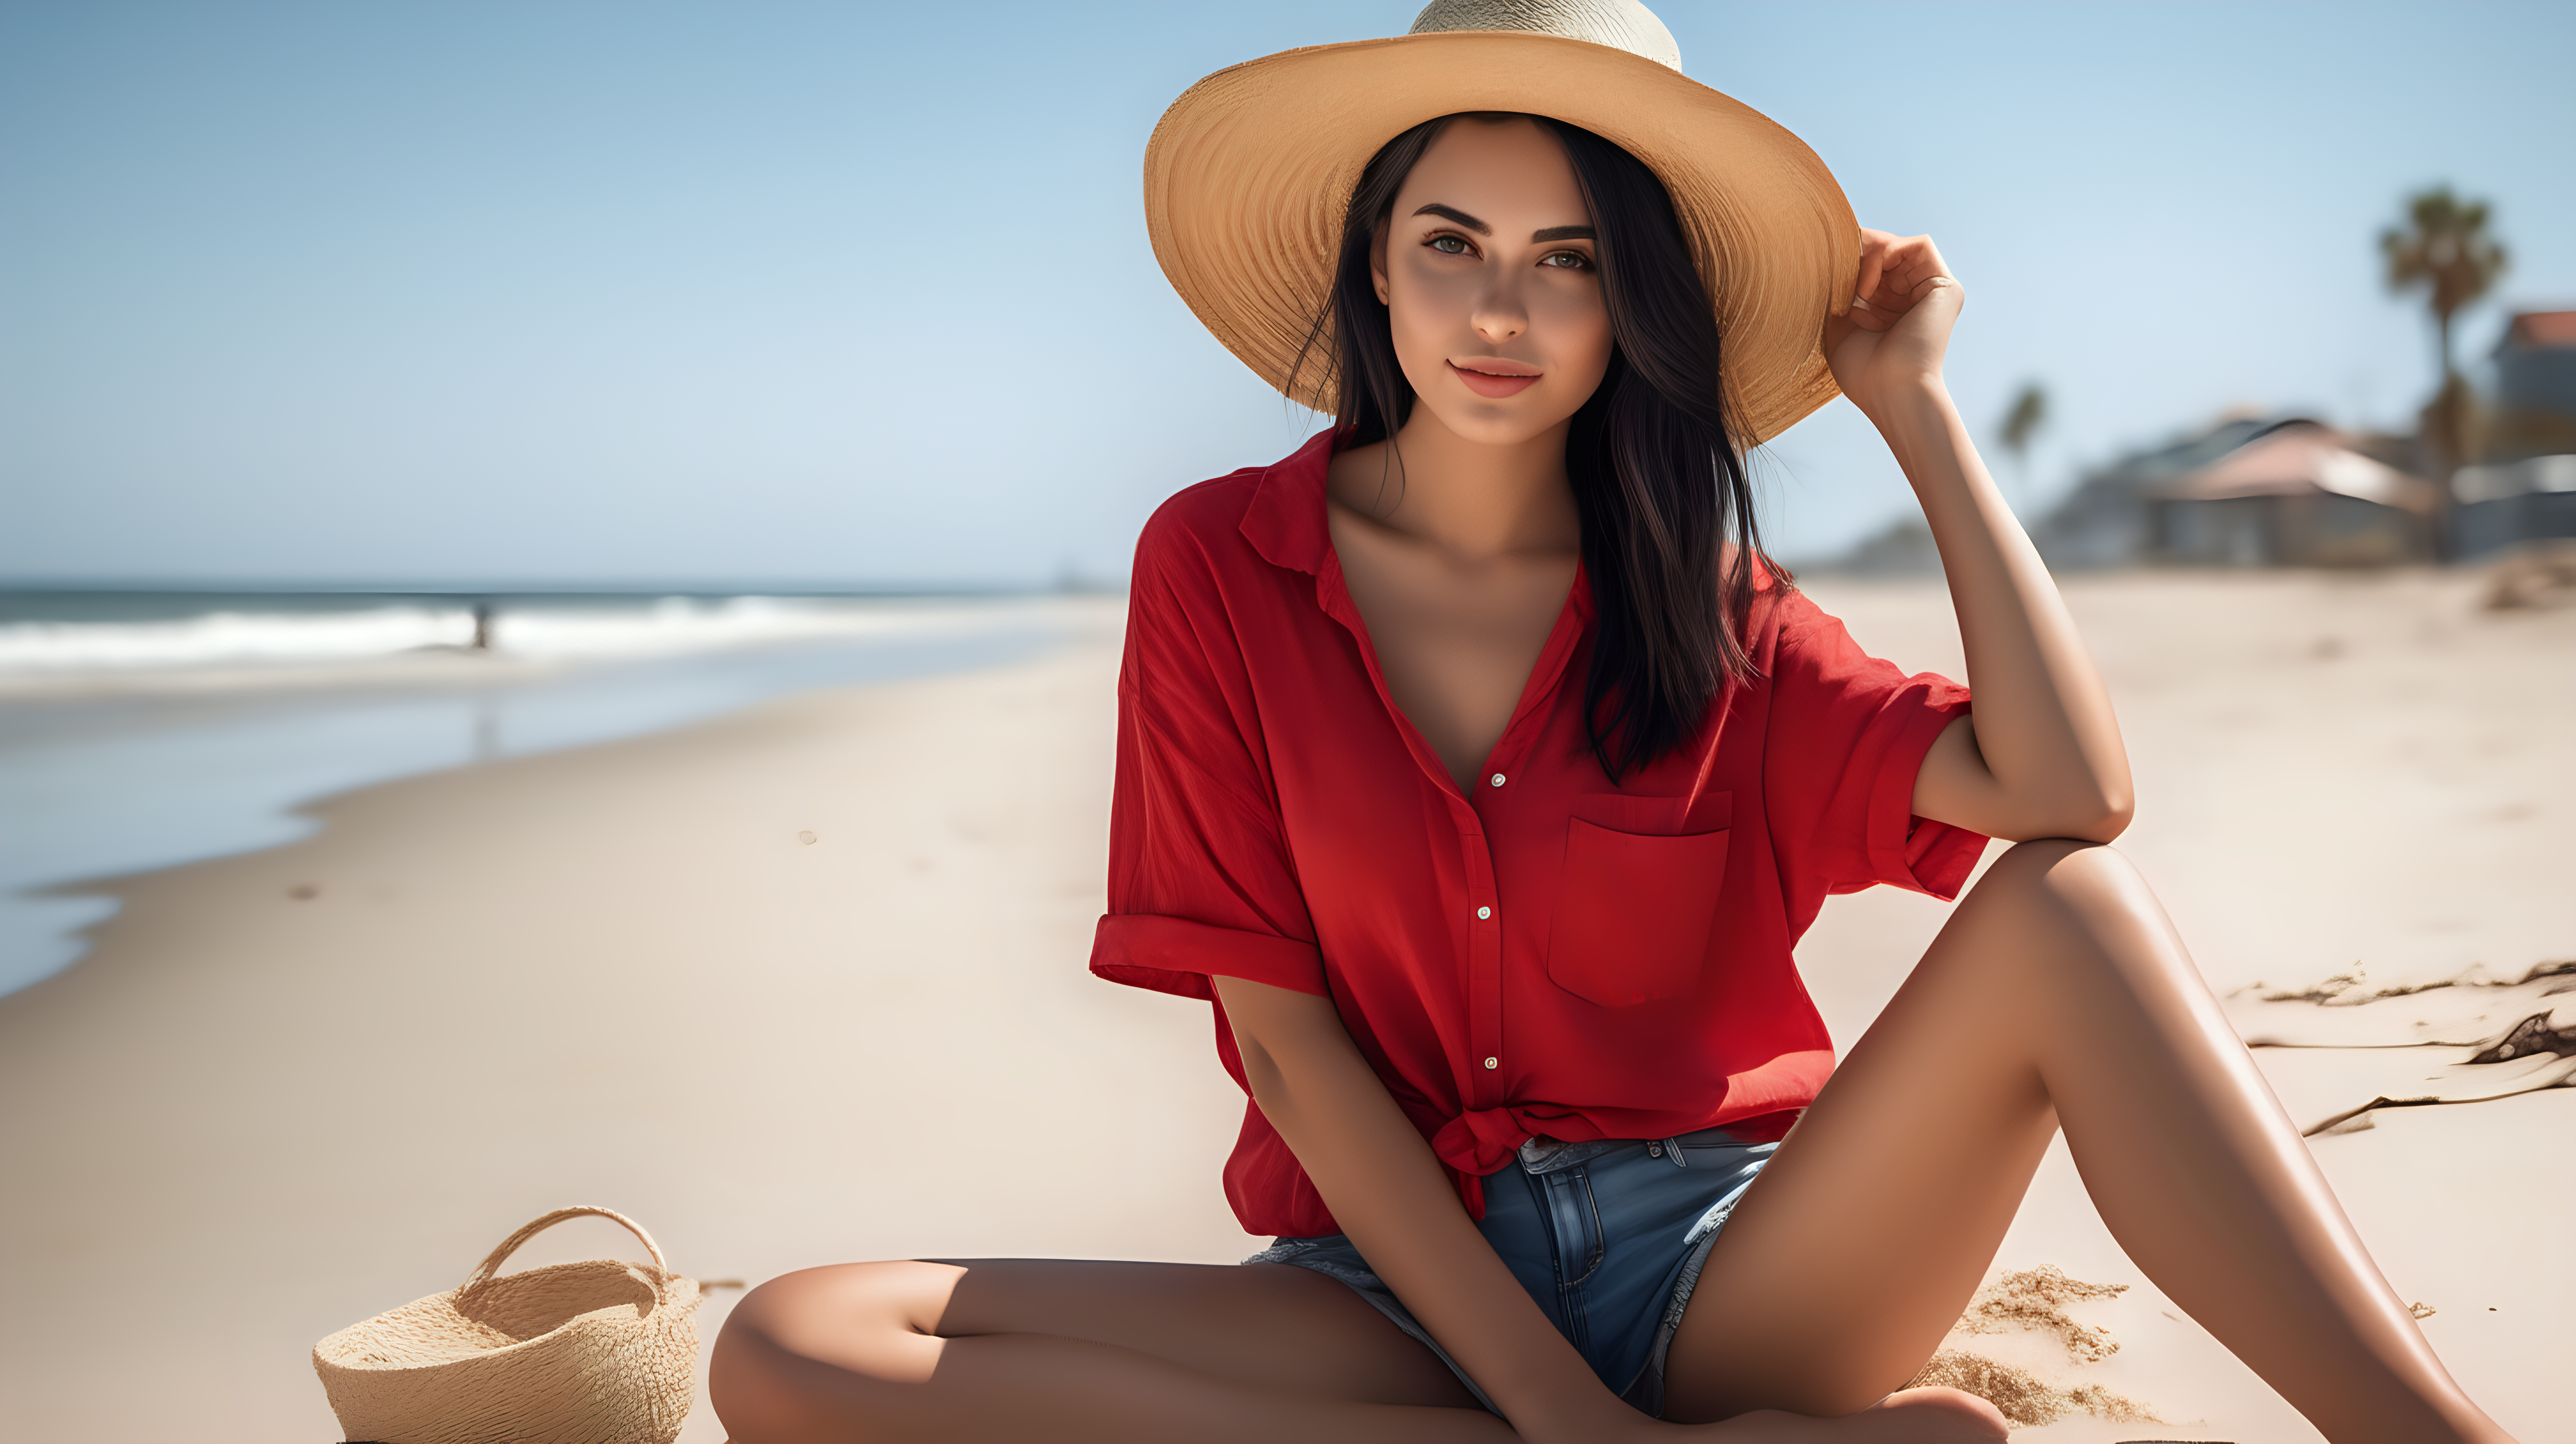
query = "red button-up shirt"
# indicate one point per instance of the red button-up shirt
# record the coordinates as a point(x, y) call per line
point(1546, 952)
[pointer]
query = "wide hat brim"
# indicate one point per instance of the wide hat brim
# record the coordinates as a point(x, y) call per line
point(1250, 172)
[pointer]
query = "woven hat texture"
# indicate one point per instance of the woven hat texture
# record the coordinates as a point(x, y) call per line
point(599, 1352)
point(1249, 173)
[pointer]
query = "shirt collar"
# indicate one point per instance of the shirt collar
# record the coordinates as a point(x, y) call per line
point(1285, 522)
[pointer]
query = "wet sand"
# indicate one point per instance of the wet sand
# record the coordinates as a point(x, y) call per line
point(293, 1088)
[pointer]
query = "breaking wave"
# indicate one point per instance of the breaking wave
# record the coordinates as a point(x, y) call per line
point(540, 631)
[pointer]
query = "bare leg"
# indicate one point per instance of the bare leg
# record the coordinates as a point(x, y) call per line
point(2057, 994)
point(1023, 1349)
point(1026, 1349)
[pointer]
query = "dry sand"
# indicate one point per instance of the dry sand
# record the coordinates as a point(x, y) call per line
point(622, 975)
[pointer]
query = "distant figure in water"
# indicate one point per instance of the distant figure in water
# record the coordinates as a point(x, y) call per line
point(1481, 770)
point(482, 626)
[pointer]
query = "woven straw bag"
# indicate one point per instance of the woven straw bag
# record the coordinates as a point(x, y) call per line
point(598, 1352)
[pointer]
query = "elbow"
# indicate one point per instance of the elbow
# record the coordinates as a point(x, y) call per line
point(2107, 825)
point(2101, 819)
point(1268, 1086)
point(1283, 1038)
point(1261, 1075)
point(2119, 805)
point(1268, 1083)
point(2098, 817)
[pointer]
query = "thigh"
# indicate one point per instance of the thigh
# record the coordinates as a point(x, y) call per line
point(1268, 1326)
point(1849, 1259)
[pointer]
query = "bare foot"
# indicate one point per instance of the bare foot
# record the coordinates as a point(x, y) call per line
point(1937, 1416)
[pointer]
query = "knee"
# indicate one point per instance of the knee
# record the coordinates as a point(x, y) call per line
point(773, 1312)
point(837, 1314)
point(752, 1382)
point(2086, 884)
point(2085, 912)
point(845, 1329)
point(756, 1355)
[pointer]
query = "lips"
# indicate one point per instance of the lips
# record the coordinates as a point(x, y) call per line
point(1494, 378)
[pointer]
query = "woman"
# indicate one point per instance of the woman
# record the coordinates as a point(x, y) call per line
point(1480, 769)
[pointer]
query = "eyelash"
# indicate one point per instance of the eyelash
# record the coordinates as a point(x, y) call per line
point(1581, 261)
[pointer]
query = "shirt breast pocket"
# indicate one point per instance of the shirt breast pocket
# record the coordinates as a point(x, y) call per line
point(1634, 907)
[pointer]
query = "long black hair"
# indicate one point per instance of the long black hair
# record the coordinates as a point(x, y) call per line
point(1659, 482)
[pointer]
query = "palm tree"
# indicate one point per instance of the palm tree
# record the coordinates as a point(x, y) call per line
point(2444, 246)
point(2028, 414)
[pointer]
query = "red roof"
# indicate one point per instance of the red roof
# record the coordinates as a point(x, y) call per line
point(2542, 330)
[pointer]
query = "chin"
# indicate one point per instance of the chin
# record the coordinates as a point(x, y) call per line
point(1488, 423)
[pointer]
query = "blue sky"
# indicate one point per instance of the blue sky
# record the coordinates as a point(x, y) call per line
point(773, 293)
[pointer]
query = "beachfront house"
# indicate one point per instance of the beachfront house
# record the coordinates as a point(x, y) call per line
point(2249, 491)
point(2523, 488)
point(2297, 494)
point(2103, 522)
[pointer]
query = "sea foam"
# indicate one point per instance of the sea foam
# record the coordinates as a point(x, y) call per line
point(549, 630)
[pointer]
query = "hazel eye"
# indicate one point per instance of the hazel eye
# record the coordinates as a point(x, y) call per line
point(1449, 245)
point(1567, 260)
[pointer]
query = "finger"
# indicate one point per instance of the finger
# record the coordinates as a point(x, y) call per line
point(1895, 288)
point(1911, 262)
point(1874, 247)
point(1870, 317)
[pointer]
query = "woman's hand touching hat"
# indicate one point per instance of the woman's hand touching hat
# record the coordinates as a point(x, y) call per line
point(1898, 329)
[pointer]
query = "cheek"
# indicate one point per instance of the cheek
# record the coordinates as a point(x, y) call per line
point(1577, 328)
point(1426, 310)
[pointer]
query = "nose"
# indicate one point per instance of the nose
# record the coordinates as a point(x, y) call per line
point(1501, 311)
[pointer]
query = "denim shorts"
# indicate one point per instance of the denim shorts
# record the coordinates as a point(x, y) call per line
point(1608, 1237)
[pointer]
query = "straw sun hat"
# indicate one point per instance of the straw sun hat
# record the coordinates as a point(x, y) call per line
point(1249, 174)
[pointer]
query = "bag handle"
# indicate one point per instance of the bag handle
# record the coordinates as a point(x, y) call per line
point(491, 1264)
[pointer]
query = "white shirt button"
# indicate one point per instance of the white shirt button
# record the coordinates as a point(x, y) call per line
point(1484, 912)
point(1493, 1062)
point(1498, 779)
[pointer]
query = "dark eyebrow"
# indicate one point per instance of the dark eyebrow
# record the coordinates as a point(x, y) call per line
point(1455, 214)
point(1542, 237)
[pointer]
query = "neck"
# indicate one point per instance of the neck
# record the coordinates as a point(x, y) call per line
point(1468, 498)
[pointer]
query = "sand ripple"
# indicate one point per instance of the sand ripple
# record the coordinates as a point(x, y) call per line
point(2471, 1038)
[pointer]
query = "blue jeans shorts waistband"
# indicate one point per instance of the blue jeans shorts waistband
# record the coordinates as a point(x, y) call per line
point(1608, 1237)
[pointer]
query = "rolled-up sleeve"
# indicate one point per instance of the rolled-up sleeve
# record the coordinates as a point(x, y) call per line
point(1200, 882)
point(1848, 734)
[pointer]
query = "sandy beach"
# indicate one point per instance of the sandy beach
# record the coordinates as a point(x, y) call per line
point(806, 983)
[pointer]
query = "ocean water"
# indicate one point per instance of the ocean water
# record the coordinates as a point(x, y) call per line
point(144, 730)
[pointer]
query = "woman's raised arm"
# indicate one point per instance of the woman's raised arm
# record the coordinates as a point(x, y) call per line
point(2042, 756)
